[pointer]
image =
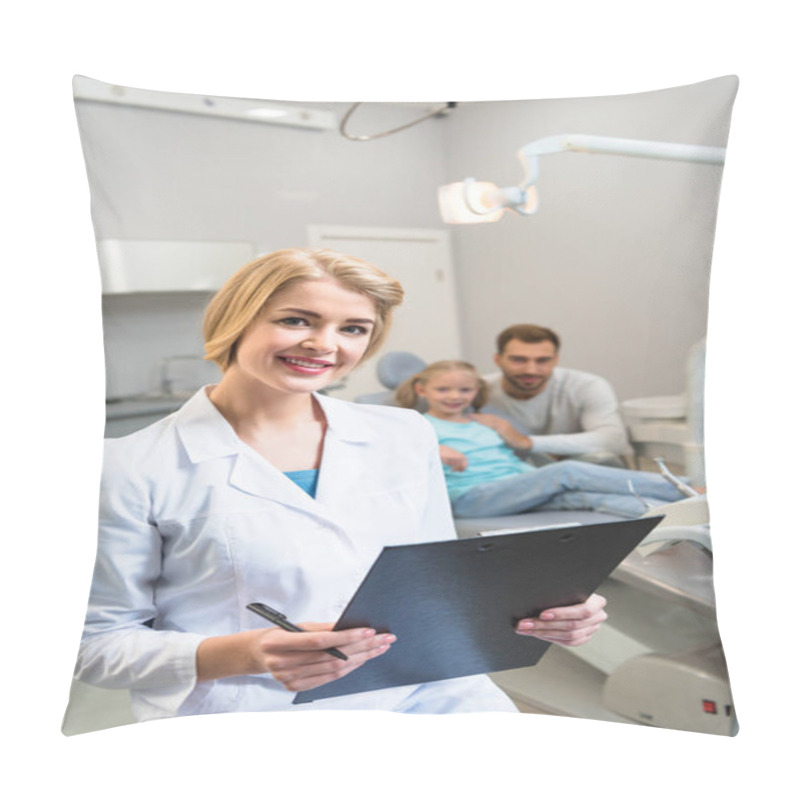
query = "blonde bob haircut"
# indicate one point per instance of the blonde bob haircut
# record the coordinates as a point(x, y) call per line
point(406, 393)
point(237, 304)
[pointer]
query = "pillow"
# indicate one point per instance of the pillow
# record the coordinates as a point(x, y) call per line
point(615, 258)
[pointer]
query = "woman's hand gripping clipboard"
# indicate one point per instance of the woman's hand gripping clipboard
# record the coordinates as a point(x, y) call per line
point(453, 604)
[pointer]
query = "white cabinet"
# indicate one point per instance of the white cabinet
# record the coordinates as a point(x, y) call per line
point(137, 265)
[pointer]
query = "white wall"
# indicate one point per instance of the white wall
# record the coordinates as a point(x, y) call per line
point(616, 259)
point(165, 175)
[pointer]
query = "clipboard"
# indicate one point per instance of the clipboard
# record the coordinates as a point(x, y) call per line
point(453, 604)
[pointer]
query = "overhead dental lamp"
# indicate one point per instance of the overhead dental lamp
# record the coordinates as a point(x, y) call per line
point(471, 201)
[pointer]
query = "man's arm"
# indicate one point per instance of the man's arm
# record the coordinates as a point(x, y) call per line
point(601, 427)
point(510, 435)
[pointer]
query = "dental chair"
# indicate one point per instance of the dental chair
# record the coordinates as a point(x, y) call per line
point(672, 426)
point(392, 369)
point(667, 579)
point(397, 366)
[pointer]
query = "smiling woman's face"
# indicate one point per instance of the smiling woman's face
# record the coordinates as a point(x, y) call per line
point(306, 337)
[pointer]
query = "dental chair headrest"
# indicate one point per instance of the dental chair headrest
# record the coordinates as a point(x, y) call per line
point(394, 368)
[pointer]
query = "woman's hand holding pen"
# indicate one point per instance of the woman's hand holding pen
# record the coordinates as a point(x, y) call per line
point(570, 625)
point(302, 665)
point(296, 660)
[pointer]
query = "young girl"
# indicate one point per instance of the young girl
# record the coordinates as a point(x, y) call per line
point(260, 489)
point(484, 476)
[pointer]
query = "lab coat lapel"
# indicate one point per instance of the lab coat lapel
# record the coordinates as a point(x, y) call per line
point(348, 438)
point(206, 435)
point(255, 475)
point(341, 473)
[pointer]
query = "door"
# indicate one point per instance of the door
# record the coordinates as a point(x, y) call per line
point(427, 322)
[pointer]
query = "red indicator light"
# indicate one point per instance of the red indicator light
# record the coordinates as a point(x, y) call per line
point(709, 706)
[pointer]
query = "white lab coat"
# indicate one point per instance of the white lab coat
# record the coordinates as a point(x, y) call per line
point(194, 525)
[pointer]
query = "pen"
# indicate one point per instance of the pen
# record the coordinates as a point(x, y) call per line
point(280, 620)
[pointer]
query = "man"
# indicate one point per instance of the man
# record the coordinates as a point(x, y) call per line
point(563, 413)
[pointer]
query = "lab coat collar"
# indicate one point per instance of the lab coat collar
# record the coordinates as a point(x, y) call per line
point(206, 434)
point(345, 421)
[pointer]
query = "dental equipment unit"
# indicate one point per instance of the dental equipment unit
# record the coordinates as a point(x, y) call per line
point(471, 201)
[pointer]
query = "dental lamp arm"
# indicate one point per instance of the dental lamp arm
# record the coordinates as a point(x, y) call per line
point(587, 143)
point(480, 201)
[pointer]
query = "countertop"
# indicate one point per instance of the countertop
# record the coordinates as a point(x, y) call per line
point(143, 405)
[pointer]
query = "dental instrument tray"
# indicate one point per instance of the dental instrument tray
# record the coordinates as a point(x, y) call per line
point(453, 605)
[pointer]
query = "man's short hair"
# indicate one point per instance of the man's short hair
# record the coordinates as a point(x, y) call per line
point(530, 334)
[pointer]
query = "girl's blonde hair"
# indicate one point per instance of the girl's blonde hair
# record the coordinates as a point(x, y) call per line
point(406, 394)
point(236, 305)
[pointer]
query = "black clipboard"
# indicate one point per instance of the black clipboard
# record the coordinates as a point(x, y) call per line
point(453, 604)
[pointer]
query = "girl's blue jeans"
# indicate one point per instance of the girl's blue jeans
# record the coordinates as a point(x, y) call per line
point(568, 485)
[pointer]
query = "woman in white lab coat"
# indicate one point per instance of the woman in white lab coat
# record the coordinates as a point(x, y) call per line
point(261, 490)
